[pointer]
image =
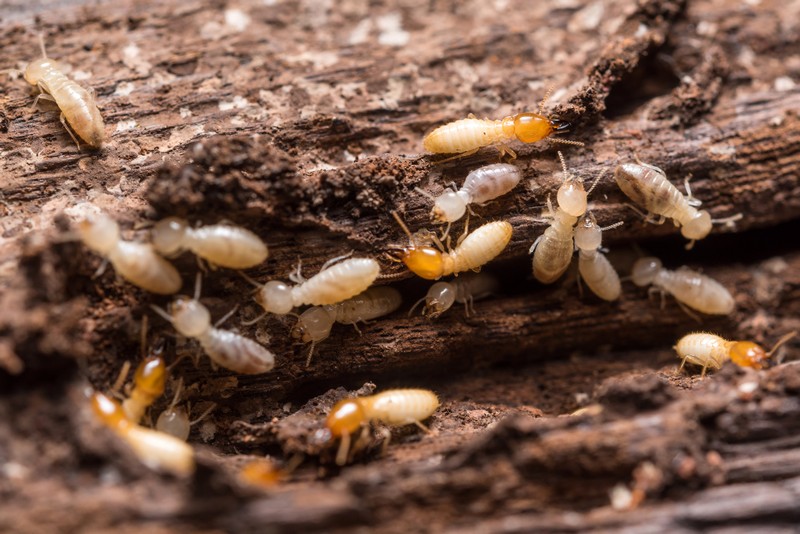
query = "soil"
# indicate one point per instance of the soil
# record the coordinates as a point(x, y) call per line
point(303, 121)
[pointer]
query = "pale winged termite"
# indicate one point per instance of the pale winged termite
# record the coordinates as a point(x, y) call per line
point(465, 290)
point(475, 250)
point(593, 266)
point(395, 407)
point(137, 263)
point(647, 186)
point(711, 351)
point(78, 108)
point(467, 136)
point(156, 450)
point(552, 251)
point(689, 287)
point(220, 244)
point(225, 348)
point(314, 325)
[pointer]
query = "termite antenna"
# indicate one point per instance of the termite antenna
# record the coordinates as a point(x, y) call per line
point(780, 342)
point(160, 311)
point(41, 45)
point(612, 226)
point(596, 181)
point(403, 226)
point(143, 337)
point(563, 165)
point(728, 221)
point(547, 94)
point(414, 307)
point(566, 141)
point(198, 285)
point(251, 322)
point(425, 193)
point(204, 414)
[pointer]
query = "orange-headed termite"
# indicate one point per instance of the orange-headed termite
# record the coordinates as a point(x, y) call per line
point(78, 108)
point(689, 287)
point(465, 290)
point(155, 449)
point(647, 186)
point(593, 266)
point(138, 263)
point(314, 325)
point(711, 351)
point(148, 385)
point(220, 244)
point(395, 407)
point(477, 249)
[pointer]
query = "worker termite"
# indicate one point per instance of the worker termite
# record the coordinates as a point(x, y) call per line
point(78, 108)
point(174, 420)
point(395, 407)
point(467, 136)
point(691, 288)
point(138, 263)
point(552, 251)
point(155, 449)
point(314, 325)
point(465, 290)
point(334, 283)
point(477, 248)
point(593, 266)
point(647, 186)
point(220, 244)
point(711, 351)
point(225, 348)
point(481, 185)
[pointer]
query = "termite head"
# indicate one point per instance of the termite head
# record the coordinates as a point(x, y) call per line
point(37, 68)
point(423, 260)
point(346, 417)
point(109, 411)
point(175, 422)
point(189, 317)
point(275, 297)
point(99, 233)
point(440, 298)
point(588, 236)
point(449, 207)
point(532, 127)
point(313, 326)
point(168, 235)
point(749, 354)
point(571, 196)
point(698, 226)
point(151, 376)
point(645, 271)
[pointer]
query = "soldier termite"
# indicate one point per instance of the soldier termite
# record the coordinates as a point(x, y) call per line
point(155, 449)
point(334, 283)
point(465, 290)
point(174, 420)
point(552, 251)
point(138, 263)
point(395, 407)
point(481, 185)
point(314, 325)
point(711, 351)
point(467, 136)
point(77, 105)
point(225, 348)
point(220, 244)
point(691, 288)
point(148, 385)
point(593, 266)
point(477, 249)
point(647, 186)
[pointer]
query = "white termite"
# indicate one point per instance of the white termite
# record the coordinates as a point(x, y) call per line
point(314, 325)
point(481, 185)
point(138, 263)
point(593, 266)
point(78, 108)
point(225, 348)
point(220, 244)
point(174, 420)
point(647, 186)
point(710, 351)
point(465, 290)
point(689, 287)
point(552, 251)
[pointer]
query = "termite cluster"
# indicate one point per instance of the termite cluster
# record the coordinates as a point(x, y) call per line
point(343, 292)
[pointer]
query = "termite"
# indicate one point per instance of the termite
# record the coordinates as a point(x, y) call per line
point(466, 136)
point(174, 420)
point(225, 348)
point(689, 287)
point(78, 108)
point(138, 263)
point(155, 449)
point(647, 186)
point(593, 266)
point(314, 325)
point(477, 249)
point(395, 407)
point(481, 185)
point(149, 383)
point(220, 244)
point(711, 351)
point(334, 283)
point(465, 290)
point(552, 251)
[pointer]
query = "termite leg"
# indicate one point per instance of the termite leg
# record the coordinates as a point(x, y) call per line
point(100, 270)
point(69, 131)
point(689, 312)
point(422, 427)
point(460, 155)
point(226, 316)
point(251, 322)
point(344, 449)
point(503, 149)
point(123, 374)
